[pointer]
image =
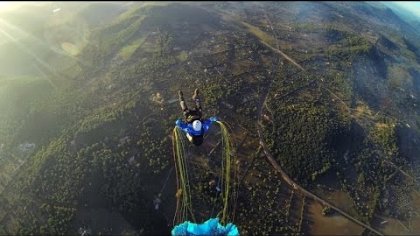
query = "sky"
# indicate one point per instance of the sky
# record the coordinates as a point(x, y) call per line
point(10, 5)
point(4, 5)
point(414, 7)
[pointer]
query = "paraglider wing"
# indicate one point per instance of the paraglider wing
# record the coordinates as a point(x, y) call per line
point(210, 227)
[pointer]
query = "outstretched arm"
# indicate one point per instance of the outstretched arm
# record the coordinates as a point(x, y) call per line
point(182, 125)
point(208, 122)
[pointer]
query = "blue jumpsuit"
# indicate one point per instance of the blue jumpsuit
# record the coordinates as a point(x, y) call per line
point(188, 129)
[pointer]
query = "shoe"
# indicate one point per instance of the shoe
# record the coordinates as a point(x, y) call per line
point(181, 95)
point(195, 96)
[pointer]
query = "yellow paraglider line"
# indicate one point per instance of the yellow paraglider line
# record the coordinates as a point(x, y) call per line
point(231, 174)
point(226, 168)
point(184, 203)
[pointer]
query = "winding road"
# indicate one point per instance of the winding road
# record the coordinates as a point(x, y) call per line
point(306, 193)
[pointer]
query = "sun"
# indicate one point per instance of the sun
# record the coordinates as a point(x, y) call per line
point(4, 5)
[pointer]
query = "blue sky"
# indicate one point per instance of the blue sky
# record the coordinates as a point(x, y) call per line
point(414, 7)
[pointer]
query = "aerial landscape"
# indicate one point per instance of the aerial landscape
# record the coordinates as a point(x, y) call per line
point(320, 101)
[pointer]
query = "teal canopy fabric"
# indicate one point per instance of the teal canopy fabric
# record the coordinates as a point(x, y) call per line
point(210, 227)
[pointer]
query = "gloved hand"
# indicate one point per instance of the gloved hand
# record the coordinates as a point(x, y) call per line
point(213, 119)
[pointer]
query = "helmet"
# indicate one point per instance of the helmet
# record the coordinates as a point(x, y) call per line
point(196, 125)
